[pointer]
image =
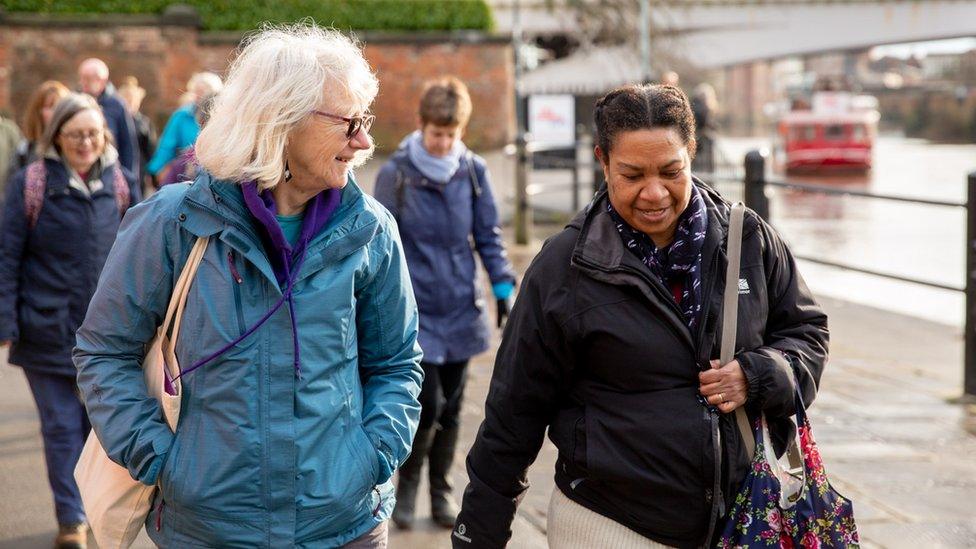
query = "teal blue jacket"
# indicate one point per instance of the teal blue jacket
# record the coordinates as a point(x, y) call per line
point(261, 457)
point(180, 134)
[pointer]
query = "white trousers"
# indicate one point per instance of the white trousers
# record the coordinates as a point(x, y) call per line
point(572, 526)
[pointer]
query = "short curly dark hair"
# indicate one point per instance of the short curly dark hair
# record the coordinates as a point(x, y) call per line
point(641, 107)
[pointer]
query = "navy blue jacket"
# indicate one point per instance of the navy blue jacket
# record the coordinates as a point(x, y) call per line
point(48, 273)
point(123, 128)
point(441, 226)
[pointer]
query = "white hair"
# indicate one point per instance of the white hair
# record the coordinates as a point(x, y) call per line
point(275, 83)
point(96, 65)
point(208, 80)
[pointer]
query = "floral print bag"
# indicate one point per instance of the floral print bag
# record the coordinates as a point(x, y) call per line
point(765, 515)
point(777, 506)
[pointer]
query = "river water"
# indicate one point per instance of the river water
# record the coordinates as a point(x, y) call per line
point(917, 241)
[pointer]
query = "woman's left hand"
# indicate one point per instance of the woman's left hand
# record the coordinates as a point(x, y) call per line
point(724, 387)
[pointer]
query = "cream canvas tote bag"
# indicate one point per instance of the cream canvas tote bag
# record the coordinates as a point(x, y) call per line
point(116, 504)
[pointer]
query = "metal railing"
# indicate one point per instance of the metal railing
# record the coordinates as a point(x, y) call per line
point(543, 157)
point(754, 193)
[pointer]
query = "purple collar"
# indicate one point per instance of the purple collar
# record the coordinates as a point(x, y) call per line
point(286, 260)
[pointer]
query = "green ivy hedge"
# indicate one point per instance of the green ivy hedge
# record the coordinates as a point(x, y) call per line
point(382, 15)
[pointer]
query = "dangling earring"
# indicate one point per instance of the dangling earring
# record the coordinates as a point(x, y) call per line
point(287, 172)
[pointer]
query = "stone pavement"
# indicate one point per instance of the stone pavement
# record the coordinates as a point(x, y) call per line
point(890, 438)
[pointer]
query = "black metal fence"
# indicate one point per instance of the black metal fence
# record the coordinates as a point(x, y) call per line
point(755, 186)
point(751, 176)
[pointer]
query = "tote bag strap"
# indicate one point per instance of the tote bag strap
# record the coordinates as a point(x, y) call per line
point(730, 311)
point(174, 312)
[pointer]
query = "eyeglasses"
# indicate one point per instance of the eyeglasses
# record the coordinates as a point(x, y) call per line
point(80, 137)
point(356, 123)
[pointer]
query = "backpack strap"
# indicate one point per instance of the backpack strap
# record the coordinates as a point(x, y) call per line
point(400, 184)
point(473, 174)
point(399, 187)
point(35, 185)
point(122, 198)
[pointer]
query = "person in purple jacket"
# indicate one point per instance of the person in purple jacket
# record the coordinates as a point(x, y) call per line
point(441, 196)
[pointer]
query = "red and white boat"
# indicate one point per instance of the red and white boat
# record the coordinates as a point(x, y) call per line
point(836, 133)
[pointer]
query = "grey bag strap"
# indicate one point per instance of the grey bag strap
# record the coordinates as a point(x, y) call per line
point(730, 312)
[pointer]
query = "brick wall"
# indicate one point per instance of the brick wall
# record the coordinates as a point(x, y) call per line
point(163, 54)
point(403, 68)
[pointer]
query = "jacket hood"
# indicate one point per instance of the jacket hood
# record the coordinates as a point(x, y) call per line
point(230, 208)
point(215, 203)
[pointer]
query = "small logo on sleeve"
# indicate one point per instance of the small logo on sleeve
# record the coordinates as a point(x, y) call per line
point(743, 286)
point(460, 531)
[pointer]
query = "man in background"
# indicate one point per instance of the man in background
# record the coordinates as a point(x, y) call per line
point(93, 77)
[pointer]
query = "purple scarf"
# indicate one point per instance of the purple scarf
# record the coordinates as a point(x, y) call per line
point(285, 260)
point(678, 262)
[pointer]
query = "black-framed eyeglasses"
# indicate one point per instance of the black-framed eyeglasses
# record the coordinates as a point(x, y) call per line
point(356, 123)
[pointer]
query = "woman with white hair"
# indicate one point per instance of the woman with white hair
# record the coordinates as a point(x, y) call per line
point(182, 128)
point(300, 364)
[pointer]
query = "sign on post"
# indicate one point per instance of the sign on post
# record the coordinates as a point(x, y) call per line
point(552, 120)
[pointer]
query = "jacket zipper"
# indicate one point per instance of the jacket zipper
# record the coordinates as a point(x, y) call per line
point(238, 299)
point(713, 416)
point(716, 492)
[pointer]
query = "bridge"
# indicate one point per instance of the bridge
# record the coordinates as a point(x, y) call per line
point(722, 33)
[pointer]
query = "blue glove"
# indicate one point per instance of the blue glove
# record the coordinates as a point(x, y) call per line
point(503, 300)
point(503, 290)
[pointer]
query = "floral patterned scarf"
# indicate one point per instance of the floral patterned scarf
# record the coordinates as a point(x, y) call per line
point(680, 261)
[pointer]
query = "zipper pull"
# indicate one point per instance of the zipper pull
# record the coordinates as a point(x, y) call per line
point(159, 513)
point(233, 268)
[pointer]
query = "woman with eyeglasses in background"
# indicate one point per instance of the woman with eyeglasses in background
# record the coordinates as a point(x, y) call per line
point(299, 355)
point(60, 218)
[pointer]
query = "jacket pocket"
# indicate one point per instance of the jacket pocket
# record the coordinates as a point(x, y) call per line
point(368, 464)
point(647, 454)
point(45, 322)
point(568, 432)
point(236, 282)
point(463, 276)
point(169, 476)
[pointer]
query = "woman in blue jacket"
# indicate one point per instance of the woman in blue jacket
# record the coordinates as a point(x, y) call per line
point(298, 346)
point(60, 218)
point(441, 197)
point(182, 128)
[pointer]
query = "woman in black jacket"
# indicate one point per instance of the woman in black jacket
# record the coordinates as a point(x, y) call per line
point(612, 345)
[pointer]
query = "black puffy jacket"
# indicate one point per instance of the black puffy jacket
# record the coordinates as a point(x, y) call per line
point(597, 352)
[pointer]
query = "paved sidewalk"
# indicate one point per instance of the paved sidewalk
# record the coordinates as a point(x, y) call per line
point(890, 439)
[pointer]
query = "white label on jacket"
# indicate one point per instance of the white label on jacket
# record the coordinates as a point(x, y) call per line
point(460, 531)
point(743, 286)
